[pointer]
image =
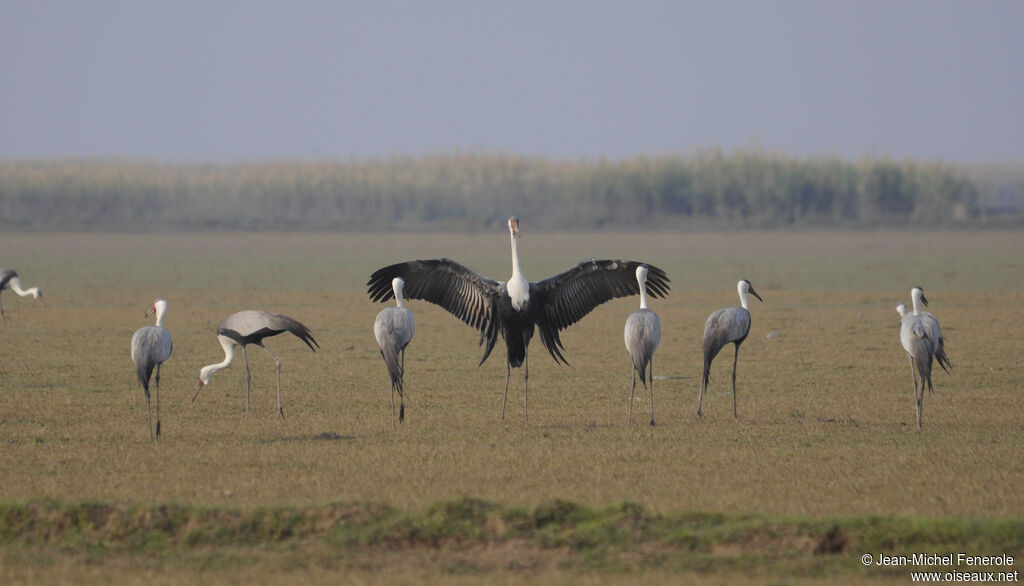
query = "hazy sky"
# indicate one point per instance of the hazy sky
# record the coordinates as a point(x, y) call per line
point(230, 81)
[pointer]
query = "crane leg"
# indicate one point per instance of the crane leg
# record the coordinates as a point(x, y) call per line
point(249, 378)
point(913, 373)
point(508, 375)
point(149, 412)
point(526, 387)
point(632, 393)
point(651, 379)
point(392, 406)
point(401, 394)
point(735, 358)
point(703, 384)
point(157, 400)
point(277, 361)
point(917, 395)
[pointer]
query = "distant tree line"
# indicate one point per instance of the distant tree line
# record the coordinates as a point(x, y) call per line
point(474, 190)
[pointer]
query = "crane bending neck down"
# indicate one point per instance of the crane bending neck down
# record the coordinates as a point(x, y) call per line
point(229, 346)
point(15, 284)
point(518, 287)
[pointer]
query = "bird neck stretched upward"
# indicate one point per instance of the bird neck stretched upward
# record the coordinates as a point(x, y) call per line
point(518, 287)
point(397, 284)
point(229, 354)
point(161, 309)
point(641, 279)
point(743, 296)
point(915, 296)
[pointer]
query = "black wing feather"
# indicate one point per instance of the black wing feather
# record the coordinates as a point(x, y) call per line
point(570, 295)
point(459, 290)
point(5, 276)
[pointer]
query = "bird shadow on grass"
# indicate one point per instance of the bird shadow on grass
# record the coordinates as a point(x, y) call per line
point(325, 436)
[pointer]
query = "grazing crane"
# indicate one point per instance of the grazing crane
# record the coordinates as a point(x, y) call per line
point(642, 334)
point(731, 324)
point(394, 328)
point(10, 280)
point(514, 308)
point(251, 327)
point(922, 340)
point(151, 347)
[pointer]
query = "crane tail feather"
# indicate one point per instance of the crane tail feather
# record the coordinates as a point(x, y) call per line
point(395, 371)
point(144, 371)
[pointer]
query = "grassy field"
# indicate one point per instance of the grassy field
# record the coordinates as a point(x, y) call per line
point(825, 437)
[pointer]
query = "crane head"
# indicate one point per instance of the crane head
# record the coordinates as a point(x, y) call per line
point(745, 284)
point(918, 292)
point(513, 226)
point(157, 305)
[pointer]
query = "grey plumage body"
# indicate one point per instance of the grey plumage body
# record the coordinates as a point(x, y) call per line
point(515, 308)
point(9, 279)
point(251, 327)
point(642, 335)
point(394, 328)
point(922, 340)
point(151, 347)
point(725, 326)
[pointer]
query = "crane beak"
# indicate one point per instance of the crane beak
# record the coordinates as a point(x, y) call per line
point(199, 387)
point(151, 311)
point(924, 300)
point(754, 293)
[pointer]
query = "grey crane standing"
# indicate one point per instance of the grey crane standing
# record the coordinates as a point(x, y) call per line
point(922, 340)
point(394, 328)
point(731, 324)
point(10, 280)
point(642, 334)
point(151, 347)
point(516, 307)
point(251, 327)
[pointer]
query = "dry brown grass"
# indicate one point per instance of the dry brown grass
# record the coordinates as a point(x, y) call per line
point(826, 412)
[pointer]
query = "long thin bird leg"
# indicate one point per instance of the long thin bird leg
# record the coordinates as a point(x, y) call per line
point(248, 380)
point(913, 373)
point(735, 358)
point(920, 402)
point(508, 374)
point(700, 397)
point(392, 405)
point(157, 400)
point(526, 387)
point(401, 393)
point(917, 399)
point(632, 393)
point(651, 378)
point(277, 361)
point(149, 411)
